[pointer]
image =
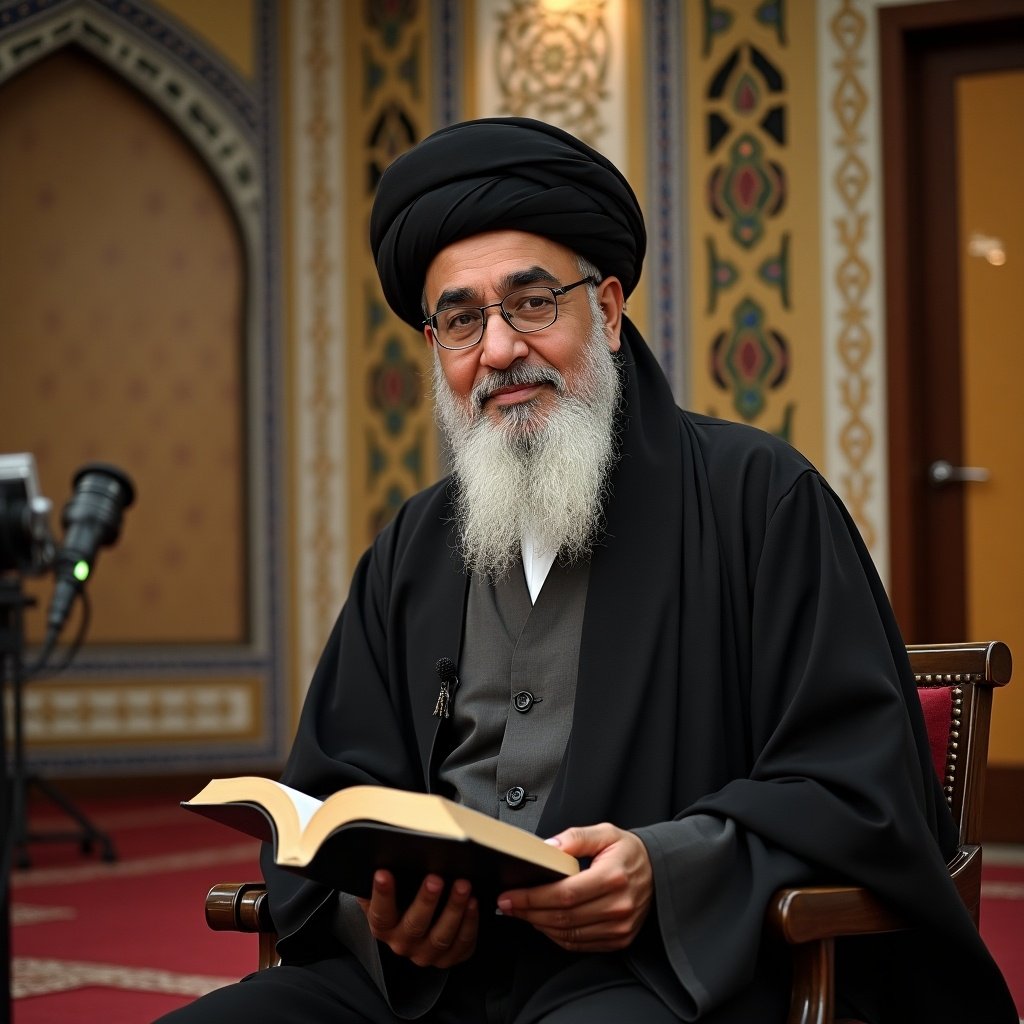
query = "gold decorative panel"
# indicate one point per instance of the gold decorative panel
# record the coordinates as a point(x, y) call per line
point(854, 343)
point(191, 710)
point(852, 267)
point(753, 215)
point(392, 445)
point(553, 64)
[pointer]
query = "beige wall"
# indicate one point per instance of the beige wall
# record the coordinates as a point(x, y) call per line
point(122, 342)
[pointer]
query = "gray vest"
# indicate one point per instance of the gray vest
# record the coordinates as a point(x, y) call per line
point(512, 711)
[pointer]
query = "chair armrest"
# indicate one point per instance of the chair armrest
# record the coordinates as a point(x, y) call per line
point(813, 913)
point(238, 907)
point(965, 870)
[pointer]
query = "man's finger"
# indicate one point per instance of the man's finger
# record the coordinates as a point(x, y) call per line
point(381, 910)
point(465, 939)
point(570, 892)
point(446, 928)
point(416, 920)
point(585, 841)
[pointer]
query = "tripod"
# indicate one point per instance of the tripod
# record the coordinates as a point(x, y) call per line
point(22, 780)
point(15, 780)
point(12, 607)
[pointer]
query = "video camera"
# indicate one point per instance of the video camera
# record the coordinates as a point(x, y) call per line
point(91, 520)
point(26, 543)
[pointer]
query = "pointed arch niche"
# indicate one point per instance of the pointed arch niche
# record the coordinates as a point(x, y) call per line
point(132, 214)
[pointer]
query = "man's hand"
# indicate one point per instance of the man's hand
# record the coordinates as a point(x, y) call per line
point(415, 934)
point(600, 909)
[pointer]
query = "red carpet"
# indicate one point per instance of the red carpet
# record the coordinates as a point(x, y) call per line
point(1002, 915)
point(123, 943)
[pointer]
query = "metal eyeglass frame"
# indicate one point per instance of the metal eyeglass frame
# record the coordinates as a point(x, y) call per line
point(505, 315)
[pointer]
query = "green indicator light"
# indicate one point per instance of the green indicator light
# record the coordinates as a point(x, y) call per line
point(81, 571)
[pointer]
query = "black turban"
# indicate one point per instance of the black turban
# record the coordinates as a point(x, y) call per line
point(501, 173)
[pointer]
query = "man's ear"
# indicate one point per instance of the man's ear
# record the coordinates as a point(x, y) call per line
point(611, 301)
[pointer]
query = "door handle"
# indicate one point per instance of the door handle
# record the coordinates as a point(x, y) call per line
point(942, 472)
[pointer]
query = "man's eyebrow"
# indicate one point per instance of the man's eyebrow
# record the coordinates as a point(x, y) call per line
point(509, 283)
point(522, 278)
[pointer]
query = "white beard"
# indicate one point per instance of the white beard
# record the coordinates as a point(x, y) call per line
point(535, 473)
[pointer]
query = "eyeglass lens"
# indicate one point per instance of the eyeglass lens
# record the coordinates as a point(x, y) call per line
point(527, 309)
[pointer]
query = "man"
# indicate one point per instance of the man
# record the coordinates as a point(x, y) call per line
point(674, 659)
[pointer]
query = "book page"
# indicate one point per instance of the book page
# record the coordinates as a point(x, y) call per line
point(305, 805)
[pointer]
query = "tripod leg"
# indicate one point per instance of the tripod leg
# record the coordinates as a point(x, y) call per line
point(19, 784)
point(19, 820)
point(89, 832)
point(12, 605)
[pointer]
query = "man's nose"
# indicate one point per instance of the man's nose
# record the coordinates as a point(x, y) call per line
point(501, 344)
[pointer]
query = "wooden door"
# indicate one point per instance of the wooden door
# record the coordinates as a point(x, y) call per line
point(955, 306)
point(990, 160)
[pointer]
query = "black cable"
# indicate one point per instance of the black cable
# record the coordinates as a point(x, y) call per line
point(35, 670)
point(83, 628)
point(49, 643)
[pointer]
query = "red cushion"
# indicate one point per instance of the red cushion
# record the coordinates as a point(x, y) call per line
point(937, 704)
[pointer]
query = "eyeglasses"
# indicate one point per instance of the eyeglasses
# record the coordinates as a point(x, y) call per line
point(525, 310)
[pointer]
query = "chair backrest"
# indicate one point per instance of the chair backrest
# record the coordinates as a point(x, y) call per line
point(955, 684)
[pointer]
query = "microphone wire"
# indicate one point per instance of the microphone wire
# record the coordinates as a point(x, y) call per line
point(35, 670)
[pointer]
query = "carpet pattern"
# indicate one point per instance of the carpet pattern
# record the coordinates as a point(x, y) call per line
point(36, 976)
point(123, 943)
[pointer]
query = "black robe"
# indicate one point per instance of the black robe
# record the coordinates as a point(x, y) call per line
point(740, 665)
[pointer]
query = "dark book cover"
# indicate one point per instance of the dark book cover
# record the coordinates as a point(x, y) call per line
point(348, 858)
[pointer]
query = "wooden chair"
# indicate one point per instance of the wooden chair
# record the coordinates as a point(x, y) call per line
point(955, 684)
point(243, 907)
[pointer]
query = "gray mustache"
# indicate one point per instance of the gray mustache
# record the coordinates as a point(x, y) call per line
point(517, 377)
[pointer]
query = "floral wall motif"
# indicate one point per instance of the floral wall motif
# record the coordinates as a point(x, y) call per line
point(852, 268)
point(554, 64)
point(565, 64)
point(753, 206)
point(393, 446)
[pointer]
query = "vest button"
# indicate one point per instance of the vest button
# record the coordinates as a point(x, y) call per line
point(522, 701)
point(515, 797)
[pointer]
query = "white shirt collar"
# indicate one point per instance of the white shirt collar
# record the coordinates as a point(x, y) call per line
point(536, 565)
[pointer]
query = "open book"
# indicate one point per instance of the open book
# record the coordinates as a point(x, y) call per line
point(342, 840)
